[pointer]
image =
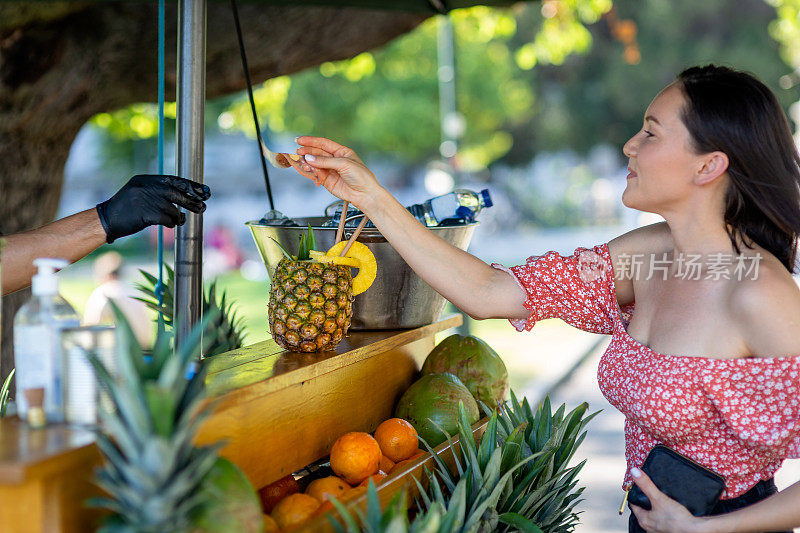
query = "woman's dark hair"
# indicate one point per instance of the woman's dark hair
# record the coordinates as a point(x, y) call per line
point(733, 112)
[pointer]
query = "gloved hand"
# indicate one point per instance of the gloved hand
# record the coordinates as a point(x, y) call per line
point(150, 199)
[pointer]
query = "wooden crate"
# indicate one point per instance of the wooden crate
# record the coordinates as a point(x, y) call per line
point(400, 481)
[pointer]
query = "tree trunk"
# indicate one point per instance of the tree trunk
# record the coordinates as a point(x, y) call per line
point(62, 63)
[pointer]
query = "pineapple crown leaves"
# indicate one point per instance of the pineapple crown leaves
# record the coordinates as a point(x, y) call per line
point(394, 519)
point(545, 490)
point(225, 333)
point(482, 472)
point(307, 243)
point(516, 479)
point(152, 468)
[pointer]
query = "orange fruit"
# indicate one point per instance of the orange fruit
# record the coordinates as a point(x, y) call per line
point(275, 492)
point(355, 456)
point(354, 493)
point(376, 478)
point(323, 488)
point(294, 509)
point(270, 525)
point(326, 506)
point(397, 438)
point(386, 464)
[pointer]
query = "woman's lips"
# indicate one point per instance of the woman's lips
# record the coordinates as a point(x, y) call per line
point(631, 174)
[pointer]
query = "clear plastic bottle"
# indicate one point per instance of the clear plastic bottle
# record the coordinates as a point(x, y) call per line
point(37, 340)
point(459, 204)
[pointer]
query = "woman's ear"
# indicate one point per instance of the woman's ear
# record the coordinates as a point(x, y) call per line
point(714, 165)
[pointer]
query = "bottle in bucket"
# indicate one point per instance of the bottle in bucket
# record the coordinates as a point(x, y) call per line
point(460, 204)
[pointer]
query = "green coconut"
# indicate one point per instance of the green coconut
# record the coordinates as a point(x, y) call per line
point(433, 400)
point(475, 363)
point(231, 504)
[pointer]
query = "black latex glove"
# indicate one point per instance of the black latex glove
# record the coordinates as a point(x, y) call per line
point(150, 199)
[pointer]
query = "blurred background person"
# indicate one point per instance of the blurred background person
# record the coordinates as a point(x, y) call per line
point(110, 287)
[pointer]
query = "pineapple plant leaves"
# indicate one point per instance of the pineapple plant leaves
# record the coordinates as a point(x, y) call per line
point(516, 479)
point(4, 390)
point(226, 332)
point(152, 470)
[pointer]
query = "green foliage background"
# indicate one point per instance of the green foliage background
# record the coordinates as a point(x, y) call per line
point(539, 76)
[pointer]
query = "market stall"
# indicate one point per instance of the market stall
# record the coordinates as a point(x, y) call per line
point(277, 412)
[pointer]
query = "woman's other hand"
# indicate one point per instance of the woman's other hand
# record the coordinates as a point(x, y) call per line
point(666, 515)
point(337, 168)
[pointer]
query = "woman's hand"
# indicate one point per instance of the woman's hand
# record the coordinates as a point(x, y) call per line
point(337, 168)
point(666, 515)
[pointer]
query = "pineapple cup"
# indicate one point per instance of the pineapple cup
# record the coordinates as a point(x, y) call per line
point(310, 304)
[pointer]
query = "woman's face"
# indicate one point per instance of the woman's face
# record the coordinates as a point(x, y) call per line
point(661, 162)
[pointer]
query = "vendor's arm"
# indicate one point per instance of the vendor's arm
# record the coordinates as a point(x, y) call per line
point(143, 201)
point(70, 238)
point(473, 286)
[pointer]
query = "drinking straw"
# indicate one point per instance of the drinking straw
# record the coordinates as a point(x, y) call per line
point(354, 236)
point(342, 218)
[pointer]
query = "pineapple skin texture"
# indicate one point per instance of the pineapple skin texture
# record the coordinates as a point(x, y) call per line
point(310, 305)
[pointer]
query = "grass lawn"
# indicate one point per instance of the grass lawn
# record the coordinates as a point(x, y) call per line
point(250, 297)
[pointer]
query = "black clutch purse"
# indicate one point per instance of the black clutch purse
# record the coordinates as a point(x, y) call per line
point(693, 486)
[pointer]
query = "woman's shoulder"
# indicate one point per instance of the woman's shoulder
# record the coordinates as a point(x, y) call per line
point(636, 245)
point(765, 305)
point(653, 238)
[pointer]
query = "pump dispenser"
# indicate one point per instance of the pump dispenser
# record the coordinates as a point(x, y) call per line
point(37, 340)
point(45, 282)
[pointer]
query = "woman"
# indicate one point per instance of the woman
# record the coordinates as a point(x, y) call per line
point(705, 364)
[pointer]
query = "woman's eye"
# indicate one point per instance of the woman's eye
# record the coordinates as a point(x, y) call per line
point(647, 133)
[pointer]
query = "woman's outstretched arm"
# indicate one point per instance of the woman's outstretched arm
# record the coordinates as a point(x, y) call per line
point(473, 286)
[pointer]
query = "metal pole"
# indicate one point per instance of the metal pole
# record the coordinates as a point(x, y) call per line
point(189, 158)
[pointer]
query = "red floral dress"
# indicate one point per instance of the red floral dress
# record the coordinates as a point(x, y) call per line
point(738, 417)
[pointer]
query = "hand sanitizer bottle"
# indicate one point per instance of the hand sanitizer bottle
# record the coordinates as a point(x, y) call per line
point(37, 340)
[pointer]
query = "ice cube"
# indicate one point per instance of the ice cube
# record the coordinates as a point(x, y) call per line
point(273, 217)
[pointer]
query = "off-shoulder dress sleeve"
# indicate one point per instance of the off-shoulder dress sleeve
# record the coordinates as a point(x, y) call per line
point(578, 288)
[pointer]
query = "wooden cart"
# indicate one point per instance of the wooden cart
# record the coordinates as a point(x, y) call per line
point(278, 411)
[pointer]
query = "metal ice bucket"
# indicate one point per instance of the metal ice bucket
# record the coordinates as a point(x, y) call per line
point(397, 299)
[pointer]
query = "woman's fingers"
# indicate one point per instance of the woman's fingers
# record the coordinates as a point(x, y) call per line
point(340, 164)
point(306, 171)
point(306, 150)
point(644, 482)
point(666, 515)
point(332, 147)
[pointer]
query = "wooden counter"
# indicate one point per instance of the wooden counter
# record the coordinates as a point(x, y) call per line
point(291, 407)
point(278, 411)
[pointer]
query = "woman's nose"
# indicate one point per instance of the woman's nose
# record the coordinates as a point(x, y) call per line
point(630, 148)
